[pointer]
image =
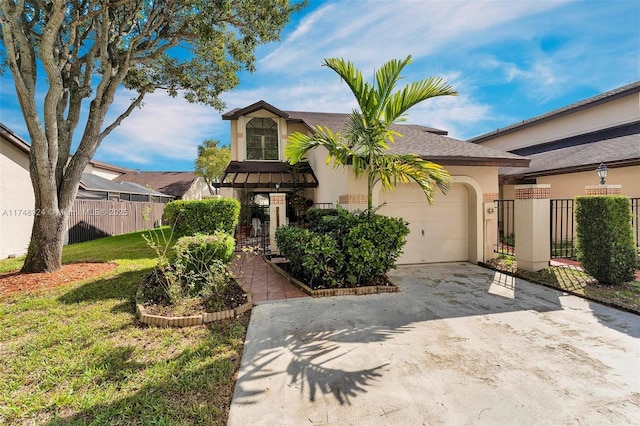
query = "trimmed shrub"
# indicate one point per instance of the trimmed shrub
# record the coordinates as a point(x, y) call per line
point(202, 216)
point(606, 247)
point(343, 249)
point(200, 249)
point(314, 258)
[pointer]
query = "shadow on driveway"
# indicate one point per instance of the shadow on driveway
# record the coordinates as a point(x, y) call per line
point(458, 344)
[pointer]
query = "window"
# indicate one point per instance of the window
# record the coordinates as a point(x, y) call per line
point(262, 139)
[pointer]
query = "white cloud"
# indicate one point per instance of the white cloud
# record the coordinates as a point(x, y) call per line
point(165, 128)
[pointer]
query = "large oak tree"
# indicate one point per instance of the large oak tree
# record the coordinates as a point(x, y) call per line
point(90, 49)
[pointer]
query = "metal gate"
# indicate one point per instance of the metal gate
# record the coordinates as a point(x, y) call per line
point(253, 228)
point(562, 238)
point(635, 220)
point(506, 231)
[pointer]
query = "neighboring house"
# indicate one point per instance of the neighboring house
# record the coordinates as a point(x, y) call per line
point(567, 145)
point(180, 185)
point(17, 199)
point(453, 229)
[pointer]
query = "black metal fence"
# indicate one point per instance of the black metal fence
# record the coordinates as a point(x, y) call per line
point(506, 231)
point(562, 235)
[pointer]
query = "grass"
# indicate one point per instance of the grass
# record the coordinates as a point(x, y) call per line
point(76, 354)
point(625, 296)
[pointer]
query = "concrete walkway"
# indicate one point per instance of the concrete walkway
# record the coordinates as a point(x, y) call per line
point(458, 345)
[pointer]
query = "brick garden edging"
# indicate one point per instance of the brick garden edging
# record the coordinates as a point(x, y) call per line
point(327, 292)
point(198, 319)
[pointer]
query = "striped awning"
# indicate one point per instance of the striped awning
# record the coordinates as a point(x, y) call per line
point(266, 174)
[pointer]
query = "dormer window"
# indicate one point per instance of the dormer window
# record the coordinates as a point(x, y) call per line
point(262, 139)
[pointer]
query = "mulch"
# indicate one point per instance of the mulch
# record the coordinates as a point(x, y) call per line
point(16, 282)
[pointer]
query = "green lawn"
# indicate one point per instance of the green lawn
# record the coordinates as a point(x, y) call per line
point(76, 354)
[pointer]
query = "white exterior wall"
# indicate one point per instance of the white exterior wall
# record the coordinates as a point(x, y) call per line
point(16, 201)
point(613, 113)
point(197, 191)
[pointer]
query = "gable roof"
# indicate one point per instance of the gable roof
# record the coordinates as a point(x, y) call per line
point(175, 184)
point(8, 135)
point(577, 106)
point(238, 112)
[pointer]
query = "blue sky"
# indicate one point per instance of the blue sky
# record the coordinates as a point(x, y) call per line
point(509, 60)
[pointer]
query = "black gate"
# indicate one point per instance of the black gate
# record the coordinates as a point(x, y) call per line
point(635, 220)
point(506, 231)
point(562, 236)
point(253, 228)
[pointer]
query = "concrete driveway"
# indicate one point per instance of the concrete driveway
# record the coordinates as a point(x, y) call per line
point(458, 345)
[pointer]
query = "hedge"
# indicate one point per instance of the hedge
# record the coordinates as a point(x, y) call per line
point(202, 216)
point(606, 246)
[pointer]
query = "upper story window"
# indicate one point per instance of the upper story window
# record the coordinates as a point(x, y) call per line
point(262, 139)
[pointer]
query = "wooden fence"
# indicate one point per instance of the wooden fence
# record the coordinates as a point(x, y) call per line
point(90, 219)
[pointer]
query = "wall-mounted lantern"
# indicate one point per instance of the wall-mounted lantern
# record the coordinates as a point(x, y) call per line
point(277, 186)
point(602, 171)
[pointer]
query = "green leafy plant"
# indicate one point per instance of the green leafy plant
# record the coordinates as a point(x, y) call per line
point(508, 239)
point(606, 246)
point(202, 216)
point(342, 248)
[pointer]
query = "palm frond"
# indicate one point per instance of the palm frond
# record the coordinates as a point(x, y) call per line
point(414, 93)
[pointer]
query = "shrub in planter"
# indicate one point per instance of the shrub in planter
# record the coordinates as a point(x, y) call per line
point(343, 249)
point(606, 247)
point(202, 216)
point(372, 247)
point(314, 258)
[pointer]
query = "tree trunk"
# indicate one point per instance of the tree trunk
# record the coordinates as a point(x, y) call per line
point(47, 239)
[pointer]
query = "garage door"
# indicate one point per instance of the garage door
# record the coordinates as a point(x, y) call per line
point(438, 232)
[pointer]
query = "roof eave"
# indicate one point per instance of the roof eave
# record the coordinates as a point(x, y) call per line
point(479, 161)
point(238, 112)
point(573, 169)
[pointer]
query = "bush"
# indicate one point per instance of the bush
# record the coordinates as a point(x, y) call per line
point(343, 249)
point(202, 216)
point(199, 249)
point(606, 247)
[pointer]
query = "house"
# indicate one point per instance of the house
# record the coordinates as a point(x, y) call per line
point(180, 185)
point(17, 199)
point(452, 229)
point(567, 145)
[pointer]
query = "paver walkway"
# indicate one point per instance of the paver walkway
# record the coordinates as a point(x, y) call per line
point(264, 283)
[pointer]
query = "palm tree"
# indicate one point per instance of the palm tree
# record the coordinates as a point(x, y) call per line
point(367, 131)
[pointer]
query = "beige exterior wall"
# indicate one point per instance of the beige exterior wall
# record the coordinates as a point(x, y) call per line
point(460, 220)
point(456, 227)
point(99, 171)
point(570, 185)
point(16, 201)
point(612, 113)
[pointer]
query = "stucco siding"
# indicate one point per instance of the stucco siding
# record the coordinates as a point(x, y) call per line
point(16, 201)
point(570, 185)
point(602, 116)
